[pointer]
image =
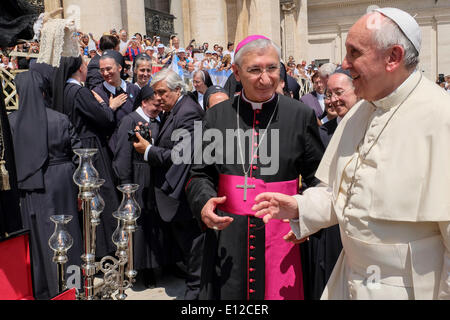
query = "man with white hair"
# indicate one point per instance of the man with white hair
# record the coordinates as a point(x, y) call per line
point(269, 141)
point(326, 70)
point(180, 114)
point(385, 174)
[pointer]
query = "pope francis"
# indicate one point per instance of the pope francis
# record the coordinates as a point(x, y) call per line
point(385, 176)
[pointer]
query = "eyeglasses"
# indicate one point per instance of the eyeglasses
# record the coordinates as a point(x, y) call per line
point(257, 71)
point(338, 94)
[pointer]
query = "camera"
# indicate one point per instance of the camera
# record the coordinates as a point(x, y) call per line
point(144, 131)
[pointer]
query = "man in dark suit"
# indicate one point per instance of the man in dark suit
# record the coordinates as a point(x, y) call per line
point(294, 87)
point(180, 113)
point(315, 99)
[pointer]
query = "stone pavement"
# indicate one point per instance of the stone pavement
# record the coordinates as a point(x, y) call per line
point(168, 287)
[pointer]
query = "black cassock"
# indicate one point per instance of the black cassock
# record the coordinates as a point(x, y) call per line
point(130, 167)
point(94, 123)
point(58, 197)
point(16, 22)
point(235, 258)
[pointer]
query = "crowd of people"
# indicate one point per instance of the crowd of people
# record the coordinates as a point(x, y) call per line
point(342, 156)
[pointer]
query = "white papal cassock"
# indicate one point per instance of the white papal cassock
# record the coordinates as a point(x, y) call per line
point(386, 182)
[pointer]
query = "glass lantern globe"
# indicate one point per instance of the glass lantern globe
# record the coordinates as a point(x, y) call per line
point(119, 236)
point(61, 240)
point(85, 175)
point(129, 209)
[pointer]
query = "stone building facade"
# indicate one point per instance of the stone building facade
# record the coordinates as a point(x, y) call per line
point(306, 29)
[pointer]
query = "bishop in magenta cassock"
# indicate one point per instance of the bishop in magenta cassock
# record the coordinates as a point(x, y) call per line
point(270, 142)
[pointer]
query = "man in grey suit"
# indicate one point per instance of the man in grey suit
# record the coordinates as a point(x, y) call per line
point(169, 177)
point(315, 99)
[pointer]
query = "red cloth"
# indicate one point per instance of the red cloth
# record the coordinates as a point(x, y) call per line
point(66, 295)
point(15, 269)
point(155, 69)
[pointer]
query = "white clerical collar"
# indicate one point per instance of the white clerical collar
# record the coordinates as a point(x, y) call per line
point(200, 99)
point(72, 80)
point(112, 89)
point(141, 112)
point(399, 94)
point(256, 105)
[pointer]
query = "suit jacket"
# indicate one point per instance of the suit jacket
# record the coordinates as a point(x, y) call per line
point(326, 131)
point(169, 178)
point(311, 101)
point(294, 87)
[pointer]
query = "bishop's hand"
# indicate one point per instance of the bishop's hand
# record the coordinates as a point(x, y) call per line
point(210, 218)
point(272, 205)
point(290, 237)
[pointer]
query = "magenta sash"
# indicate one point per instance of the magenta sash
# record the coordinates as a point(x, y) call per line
point(235, 197)
point(283, 272)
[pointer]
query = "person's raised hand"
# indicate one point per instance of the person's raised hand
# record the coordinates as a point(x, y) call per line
point(97, 97)
point(117, 102)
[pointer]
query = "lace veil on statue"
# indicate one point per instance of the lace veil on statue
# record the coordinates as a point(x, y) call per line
point(58, 39)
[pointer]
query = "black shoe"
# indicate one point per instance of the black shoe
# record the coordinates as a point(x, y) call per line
point(175, 271)
point(149, 278)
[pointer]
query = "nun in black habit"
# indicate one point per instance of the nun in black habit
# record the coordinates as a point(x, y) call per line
point(43, 142)
point(113, 88)
point(94, 123)
point(16, 22)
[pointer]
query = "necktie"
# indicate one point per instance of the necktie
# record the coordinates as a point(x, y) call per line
point(119, 91)
point(164, 117)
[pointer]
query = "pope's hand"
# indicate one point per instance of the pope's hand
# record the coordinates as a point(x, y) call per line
point(142, 144)
point(211, 219)
point(272, 205)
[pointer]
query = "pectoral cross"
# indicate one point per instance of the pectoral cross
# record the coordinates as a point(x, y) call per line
point(245, 187)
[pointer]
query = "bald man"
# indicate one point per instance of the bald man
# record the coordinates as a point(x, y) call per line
point(341, 94)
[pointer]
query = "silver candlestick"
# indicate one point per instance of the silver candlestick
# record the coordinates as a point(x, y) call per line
point(129, 211)
point(86, 177)
point(115, 278)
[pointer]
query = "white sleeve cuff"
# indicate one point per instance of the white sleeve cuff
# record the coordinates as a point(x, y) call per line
point(315, 212)
point(146, 152)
